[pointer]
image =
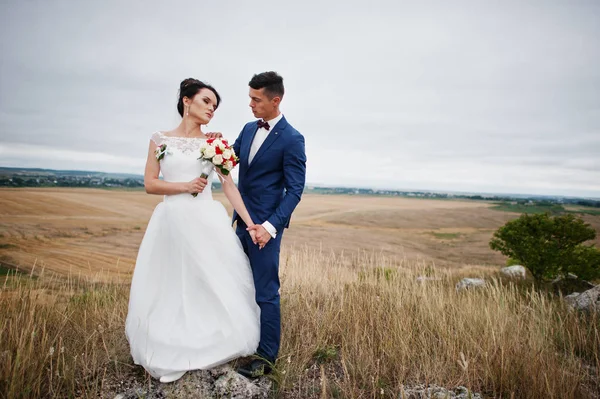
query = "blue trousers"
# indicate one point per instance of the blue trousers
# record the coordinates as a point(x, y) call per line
point(265, 270)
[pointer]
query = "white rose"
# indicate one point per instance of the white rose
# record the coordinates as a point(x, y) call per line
point(209, 152)
point(229, 165)
point(227, 154)
point(217, 160)
point(203, 146)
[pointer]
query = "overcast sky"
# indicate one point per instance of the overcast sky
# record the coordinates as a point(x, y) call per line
point(493, 96)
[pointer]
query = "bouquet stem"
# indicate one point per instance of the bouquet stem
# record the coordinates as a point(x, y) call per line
point(202, 176)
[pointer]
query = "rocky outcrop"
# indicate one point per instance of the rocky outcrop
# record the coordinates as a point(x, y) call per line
point(437, 392)
point(220, 382)
point(587, 301)
point(515, 271)
point(468, 283)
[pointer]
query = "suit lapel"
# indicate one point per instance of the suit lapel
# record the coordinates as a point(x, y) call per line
point(247, 143)
point(275, 134)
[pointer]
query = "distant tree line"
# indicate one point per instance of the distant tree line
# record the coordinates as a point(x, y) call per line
point(76, 181)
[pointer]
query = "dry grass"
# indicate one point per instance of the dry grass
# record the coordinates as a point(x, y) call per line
point(60, 338)
point(384, 330)
point(353, 326)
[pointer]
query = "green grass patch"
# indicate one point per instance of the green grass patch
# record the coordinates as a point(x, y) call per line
point(379, 273)
point(531, 209)
point(103, 297)
point(593, 212)
point(446, 236)
point(5, 271)
point(323, 355)
point(536, 208)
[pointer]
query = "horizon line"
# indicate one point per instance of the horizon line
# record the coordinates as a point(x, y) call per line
point(325, 185)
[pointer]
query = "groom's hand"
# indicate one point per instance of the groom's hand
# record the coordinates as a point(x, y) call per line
point(262, 235)
point(214, 135)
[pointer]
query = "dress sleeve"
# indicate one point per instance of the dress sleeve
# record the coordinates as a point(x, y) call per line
point(157, 138)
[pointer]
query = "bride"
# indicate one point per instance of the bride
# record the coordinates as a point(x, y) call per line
point(192, 300)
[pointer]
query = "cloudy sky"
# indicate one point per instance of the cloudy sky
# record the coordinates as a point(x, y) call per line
point(492, 96)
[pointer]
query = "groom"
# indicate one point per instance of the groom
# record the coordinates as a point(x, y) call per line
point(272, 173)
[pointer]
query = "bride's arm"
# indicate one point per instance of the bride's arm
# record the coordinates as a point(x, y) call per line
point(154, 185)
point(233, 195)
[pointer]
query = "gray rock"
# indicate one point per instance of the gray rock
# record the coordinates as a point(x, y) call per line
point(467, 283)
point(570, 299)
point(437, 392)
point(219, 370)
point(233, 385)
point(516, 271)
point(219, 382)
point(587, 301)
point(194, 384)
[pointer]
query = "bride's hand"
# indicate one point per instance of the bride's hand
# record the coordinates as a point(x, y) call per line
point(253, 236)
point(214, 135)
point(195, 186)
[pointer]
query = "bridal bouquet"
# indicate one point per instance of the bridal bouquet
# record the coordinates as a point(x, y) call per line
point(217, 153)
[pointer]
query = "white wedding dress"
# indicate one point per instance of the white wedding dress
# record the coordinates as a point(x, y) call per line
point(192, 303)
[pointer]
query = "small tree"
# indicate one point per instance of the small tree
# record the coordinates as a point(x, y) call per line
point(550, 246)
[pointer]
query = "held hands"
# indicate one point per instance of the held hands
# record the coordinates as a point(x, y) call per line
point(196, 186)
point(253, 235)
point(261, 237)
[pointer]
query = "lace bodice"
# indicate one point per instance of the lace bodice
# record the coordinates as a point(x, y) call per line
point(186, 145)
point(180, 162)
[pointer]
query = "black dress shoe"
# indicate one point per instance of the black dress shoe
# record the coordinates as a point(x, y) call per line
point(256, 368)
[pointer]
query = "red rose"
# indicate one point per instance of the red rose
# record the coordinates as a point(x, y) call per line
point(218, 150)
point(210, 141)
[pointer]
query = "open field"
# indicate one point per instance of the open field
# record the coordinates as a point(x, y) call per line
point(356, 324)
point(83, 231)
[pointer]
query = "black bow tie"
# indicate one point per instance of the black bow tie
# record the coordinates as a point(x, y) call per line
point(264, 124)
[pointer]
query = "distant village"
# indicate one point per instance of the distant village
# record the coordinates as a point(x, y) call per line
point(70, 181)
point(516, 199)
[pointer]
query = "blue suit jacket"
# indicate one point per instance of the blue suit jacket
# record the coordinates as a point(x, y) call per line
point(271, 186)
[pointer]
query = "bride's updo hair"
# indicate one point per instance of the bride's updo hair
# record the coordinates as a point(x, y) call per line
point(189, 88)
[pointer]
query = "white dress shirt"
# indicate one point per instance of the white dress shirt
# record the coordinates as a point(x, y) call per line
point(259, 139)
point(261, 136)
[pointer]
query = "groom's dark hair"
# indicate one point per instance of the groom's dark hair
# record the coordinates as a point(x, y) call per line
point(271, 81)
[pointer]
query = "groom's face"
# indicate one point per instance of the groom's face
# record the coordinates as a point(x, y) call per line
point(261, 105)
